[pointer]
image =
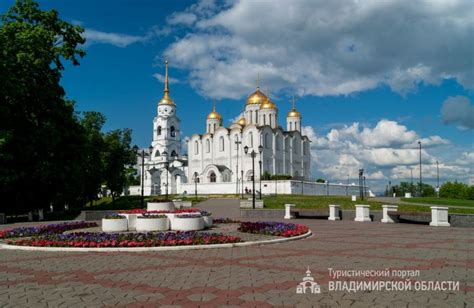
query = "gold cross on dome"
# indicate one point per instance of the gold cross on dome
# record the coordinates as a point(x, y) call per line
point(293, 102)
point(258, 80)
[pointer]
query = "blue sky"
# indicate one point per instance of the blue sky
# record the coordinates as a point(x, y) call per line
point(369, 83)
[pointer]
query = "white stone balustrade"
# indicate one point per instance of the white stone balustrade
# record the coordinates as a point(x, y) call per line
point(439, 216)
point(386, 208)
point(362, 213)
point(288, 211)
point(334, 212)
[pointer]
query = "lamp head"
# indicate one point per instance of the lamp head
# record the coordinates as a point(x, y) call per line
point(260, 148)
point(135, 148)
point(246, 149)
point(150, 148)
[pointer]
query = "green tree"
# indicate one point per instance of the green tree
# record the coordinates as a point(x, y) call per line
point(266, 176)
point(117, 155)
point(39, 133)
point(455, 190)
point(93, 163)
point(320, 180)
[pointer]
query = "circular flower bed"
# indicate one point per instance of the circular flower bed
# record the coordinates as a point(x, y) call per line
point(207, 217)
point(52, 228)
point(114, 223)
point(94, 239)
point(152, 222)
point(187, 222)
point(164, 205)
point(273, 228)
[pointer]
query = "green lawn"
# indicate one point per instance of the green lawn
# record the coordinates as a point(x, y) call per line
point(322, 202)
point(440, 201)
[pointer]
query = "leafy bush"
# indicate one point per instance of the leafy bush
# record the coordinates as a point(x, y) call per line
point(281, 177)
point(456, 190)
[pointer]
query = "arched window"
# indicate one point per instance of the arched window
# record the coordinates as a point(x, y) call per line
point(209, 127)
point(221, 143)
point(264, 120)
point(212, 177)
point(196, 147)
point(157, 153)
point(267, 141)
point(250, 140)
point(214, 126)
point(172, 131)
point(208, 146)
point(174, 154)
point(158, 130)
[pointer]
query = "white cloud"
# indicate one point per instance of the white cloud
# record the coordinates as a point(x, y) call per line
point(117, 39)
point(458, 110)
point(186, 19)
point(466, 159)
point(161, 78)
point(324, 47)
point(388, 150)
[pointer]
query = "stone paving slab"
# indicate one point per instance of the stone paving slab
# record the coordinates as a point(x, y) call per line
point(262, 276)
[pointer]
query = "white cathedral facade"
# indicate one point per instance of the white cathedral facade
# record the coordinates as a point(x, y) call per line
point(216, 160)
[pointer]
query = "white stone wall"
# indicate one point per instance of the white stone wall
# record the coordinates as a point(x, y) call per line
point(276, 187)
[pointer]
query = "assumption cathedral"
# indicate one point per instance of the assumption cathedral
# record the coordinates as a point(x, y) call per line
point(216, 160)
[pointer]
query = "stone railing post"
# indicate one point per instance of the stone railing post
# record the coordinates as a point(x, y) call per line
point(362, 212)
point(388, 208)
point(288, 211)
point(334, 212)
point(439, 216)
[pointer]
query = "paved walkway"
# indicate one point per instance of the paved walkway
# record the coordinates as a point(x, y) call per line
point(249, 276)
point(397, 200)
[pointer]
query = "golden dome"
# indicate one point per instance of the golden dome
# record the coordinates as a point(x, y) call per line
point(241, 121)
point(256, 97)
point(268, 104)
point(294, 113)
point(214, 115)
point(166, 100)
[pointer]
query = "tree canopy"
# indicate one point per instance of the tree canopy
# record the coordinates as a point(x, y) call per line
point(48, 152)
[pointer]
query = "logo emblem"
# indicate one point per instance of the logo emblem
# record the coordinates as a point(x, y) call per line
point(308, 285)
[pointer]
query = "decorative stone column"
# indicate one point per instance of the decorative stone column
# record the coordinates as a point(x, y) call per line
point(40, 214)
point(334, 212)
point(362, 212)
point(439, 216)
point(288, 211)
point(386, 209)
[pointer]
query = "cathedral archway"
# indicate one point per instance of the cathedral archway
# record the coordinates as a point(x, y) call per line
point(249, 175)
point(212, 177)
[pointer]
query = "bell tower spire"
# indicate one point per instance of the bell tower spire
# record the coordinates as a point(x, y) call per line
point(167, 90)
point(166, 100)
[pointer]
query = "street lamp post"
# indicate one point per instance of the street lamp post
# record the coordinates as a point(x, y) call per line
point(253, 154)
point(142, 155)
point(361, 173)
point(237, 143)
point(260, 177)
point(166, 165)
point(195, 185)
point(421, 182)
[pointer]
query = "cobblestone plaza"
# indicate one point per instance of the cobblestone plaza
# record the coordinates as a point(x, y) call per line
point(265, 275)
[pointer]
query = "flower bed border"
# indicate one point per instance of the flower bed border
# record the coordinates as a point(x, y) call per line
point(161, 248)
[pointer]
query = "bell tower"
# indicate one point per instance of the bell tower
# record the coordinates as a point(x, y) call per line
point(166, 125)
